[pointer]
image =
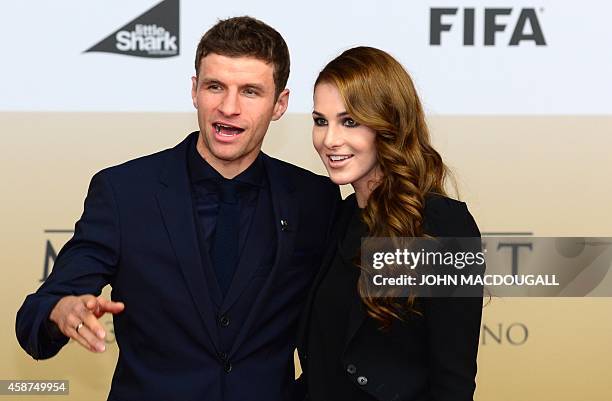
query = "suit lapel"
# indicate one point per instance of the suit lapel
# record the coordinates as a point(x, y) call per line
point(285, 207)
point(351, 241)
point(176, 206)
point(357, 311)
point(327, 260)
point(356, 317)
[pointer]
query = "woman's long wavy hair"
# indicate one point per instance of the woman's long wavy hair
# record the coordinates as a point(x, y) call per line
point(378, 93)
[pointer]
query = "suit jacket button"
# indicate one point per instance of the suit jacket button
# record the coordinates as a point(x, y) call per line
point(223, 356)
point(227, 367)
point(351, 369)
point(224, 321)
point(362, 380)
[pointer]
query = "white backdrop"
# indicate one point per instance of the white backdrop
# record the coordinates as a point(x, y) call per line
point(44, 67)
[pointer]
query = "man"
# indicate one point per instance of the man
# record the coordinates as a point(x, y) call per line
point(210, 247)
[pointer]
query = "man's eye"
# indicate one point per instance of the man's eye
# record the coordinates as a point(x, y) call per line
point(213, 87)
point(319, 122)
point(250, 92)
point(349, 122)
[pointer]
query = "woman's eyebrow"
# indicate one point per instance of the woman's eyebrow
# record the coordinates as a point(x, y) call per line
point(341, 114)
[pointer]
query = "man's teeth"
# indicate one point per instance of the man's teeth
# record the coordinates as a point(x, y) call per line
point(219, 127)
point(339, 158)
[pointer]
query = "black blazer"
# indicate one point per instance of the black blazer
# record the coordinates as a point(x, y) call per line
point(428, 357)
point(138, 234)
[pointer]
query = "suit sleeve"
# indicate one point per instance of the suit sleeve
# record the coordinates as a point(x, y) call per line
point(84, 266)
point(453, 329)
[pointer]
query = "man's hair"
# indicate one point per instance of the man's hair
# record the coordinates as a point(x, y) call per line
point(247, 37)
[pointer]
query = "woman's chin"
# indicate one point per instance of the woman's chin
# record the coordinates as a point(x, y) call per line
point(338, 180)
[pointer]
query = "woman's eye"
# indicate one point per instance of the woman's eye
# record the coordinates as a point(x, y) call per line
point(349, 122)
point(318, 121)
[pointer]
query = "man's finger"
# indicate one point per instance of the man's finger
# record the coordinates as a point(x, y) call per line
point(94, 342)
point(89, 301)
point(110, 306)
point(77, 337)
point(70, 330)
point(92, 323)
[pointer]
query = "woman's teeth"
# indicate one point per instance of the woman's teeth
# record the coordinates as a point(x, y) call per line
point(335, 158)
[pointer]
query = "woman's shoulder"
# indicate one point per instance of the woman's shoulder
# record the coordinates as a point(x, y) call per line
point(447, 217)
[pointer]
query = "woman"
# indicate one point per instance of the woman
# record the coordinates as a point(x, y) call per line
point(370, 131)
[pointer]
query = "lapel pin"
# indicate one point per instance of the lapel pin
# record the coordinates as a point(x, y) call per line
point(284, 225)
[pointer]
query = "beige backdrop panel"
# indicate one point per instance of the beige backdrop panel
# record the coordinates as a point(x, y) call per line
point(545, 175)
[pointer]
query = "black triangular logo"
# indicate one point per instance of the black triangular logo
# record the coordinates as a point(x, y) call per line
point(154, 34)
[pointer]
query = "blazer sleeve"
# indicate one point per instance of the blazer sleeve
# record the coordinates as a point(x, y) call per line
point(453, 329)
point(85, 264)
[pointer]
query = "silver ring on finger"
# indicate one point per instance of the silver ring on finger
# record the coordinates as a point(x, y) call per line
point(78, 327)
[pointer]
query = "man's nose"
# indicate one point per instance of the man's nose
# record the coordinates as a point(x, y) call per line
point(230, 105)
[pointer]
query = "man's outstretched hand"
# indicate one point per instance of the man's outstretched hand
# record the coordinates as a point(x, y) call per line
point(77, 318)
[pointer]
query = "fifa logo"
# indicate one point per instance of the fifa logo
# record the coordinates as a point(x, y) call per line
point(524, 25)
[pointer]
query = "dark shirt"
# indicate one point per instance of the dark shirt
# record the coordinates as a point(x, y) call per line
point(327, 377)
point(204, 187)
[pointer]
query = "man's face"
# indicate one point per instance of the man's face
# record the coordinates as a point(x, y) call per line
point(234, 97)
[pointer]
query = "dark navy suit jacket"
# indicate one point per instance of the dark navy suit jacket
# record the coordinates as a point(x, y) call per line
point(137, 233)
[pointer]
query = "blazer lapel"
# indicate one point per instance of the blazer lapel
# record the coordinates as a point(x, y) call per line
point(327, 260)
point(357, 311)
point(351, 241)
point(285, 207)
point(356, 317)
point(176, 206)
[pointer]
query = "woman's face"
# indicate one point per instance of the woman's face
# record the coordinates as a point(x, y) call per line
point(347, 149)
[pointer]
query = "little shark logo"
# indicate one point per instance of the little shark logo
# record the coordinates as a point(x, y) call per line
point(153, 34)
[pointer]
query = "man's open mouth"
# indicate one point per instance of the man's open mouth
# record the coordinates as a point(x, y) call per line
point(226, 129)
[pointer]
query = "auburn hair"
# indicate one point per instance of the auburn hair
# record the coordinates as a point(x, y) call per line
point(378, 92)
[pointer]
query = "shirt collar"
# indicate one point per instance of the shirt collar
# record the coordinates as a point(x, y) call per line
point(200, 170)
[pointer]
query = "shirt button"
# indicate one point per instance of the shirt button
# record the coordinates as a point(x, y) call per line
point(224, 321)
point(227, 367)
point(351, 369)
point(362, 380)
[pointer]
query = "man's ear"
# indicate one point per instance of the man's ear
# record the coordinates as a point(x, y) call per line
point(281, 104)
point(194, 91)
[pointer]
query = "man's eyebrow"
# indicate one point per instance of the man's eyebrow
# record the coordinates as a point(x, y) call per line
point(258, 87)
point(206, 80)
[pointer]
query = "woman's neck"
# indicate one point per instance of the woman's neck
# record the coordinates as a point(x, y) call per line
point(364, 188)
